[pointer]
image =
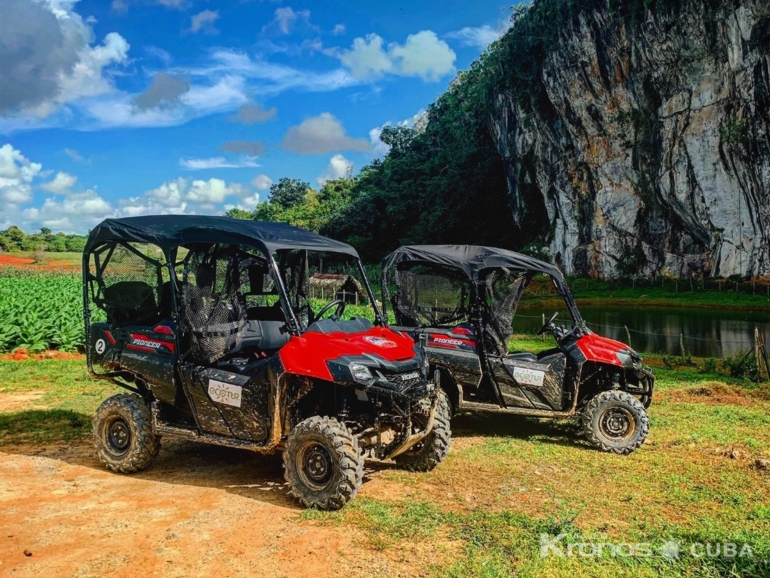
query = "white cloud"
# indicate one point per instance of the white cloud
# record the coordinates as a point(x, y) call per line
point(46, 57)
point(16, 175)
point(76, 212)
point(204, 21)
point(422, 55)
point(261, 182)
point(220, 85)
point(268, 78)
point(338, 29)
point(169, 194)
point(216, 163)
point(321, 134)
point(478, 37)
point(366, 57)
point(285, 19)
point(228, 92)
point(183, 197)
point(61, 184)
point(74, 155)
point(213, 191)
point(337, 168)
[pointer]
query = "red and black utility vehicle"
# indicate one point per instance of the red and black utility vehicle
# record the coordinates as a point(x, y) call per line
point(210, 324)
point(462, 300)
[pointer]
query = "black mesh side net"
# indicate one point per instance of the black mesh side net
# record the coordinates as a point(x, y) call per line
point(427, 296)
point(126, 282)
point(503, 293)
point(213, 306)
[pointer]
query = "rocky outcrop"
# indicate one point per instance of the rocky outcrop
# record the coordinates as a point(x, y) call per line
point(651, 153)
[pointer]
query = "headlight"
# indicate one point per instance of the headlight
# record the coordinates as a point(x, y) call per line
point(360, 372)
point(629, 358)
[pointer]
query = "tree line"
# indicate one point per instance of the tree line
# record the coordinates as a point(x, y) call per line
point(14, 239)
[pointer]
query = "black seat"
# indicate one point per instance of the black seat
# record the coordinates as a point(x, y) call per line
point(522, 356)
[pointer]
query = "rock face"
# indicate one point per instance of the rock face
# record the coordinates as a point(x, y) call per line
point(652, 154)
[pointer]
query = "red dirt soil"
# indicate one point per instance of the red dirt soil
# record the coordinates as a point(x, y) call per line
point(23, 355)
point(197, 511)
point(26, 263)
point(8, 260)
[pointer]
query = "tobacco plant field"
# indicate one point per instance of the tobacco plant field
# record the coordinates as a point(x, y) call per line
point(40, 310)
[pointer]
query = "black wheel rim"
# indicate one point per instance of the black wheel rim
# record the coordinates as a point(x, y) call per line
point(118, 436)
point(617, 423)
point(315, 465)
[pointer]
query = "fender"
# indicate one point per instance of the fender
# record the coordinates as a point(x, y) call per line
point(601, 349)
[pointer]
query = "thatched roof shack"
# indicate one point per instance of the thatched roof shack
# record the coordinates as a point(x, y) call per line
point(331, 286)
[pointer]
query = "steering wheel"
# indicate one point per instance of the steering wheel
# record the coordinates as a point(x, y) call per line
point(548, 324)
point(337, 313)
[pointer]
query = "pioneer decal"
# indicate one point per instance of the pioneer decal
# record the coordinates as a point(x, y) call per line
point(142, 342)
point(447, 341)
point(227, 393)
point(526, 376)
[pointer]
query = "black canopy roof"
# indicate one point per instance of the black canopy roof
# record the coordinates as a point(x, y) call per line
point(168, 231)
point(469, 258)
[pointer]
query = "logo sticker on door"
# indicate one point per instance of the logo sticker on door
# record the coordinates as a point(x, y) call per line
point(526, 376)
point(227, 393)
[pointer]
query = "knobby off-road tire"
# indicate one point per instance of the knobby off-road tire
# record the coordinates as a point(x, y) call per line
point(323, 463)
point(615, 421)
point(432, 450)
point(123, 436)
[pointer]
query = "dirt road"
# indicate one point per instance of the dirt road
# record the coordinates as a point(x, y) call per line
point(198, 511)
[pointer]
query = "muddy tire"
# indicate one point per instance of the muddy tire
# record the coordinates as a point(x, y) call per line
point(123, 436)
point(615, 421)
point(323, 463)
point(431, 451)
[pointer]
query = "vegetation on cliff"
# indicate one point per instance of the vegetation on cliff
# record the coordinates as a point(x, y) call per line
point(449, 179)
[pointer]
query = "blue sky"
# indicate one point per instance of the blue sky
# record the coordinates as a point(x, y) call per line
point(172, 106)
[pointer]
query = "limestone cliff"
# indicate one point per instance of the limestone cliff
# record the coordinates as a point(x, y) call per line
point(650, 149)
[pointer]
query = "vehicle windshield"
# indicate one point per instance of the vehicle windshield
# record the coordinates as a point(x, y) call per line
point(320, 284)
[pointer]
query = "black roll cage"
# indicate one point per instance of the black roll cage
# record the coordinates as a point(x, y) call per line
point(170, 255)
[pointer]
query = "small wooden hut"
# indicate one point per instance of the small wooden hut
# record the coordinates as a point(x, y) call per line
point(330, 286)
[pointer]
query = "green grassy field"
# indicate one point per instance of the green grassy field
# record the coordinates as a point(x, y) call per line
point(507, 481)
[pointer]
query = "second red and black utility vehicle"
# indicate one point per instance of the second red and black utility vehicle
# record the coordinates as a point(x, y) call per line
point(463, 300)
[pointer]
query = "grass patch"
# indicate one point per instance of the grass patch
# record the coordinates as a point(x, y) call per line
point(509, 543)
point(40, 426)
point(70, 397)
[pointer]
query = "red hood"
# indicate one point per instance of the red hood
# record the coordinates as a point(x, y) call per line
point(601, 349)
point(308, 354)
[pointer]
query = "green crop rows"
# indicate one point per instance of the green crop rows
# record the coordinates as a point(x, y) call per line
point(40, 310)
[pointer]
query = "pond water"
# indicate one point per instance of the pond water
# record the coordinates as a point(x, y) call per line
point(705, 332)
